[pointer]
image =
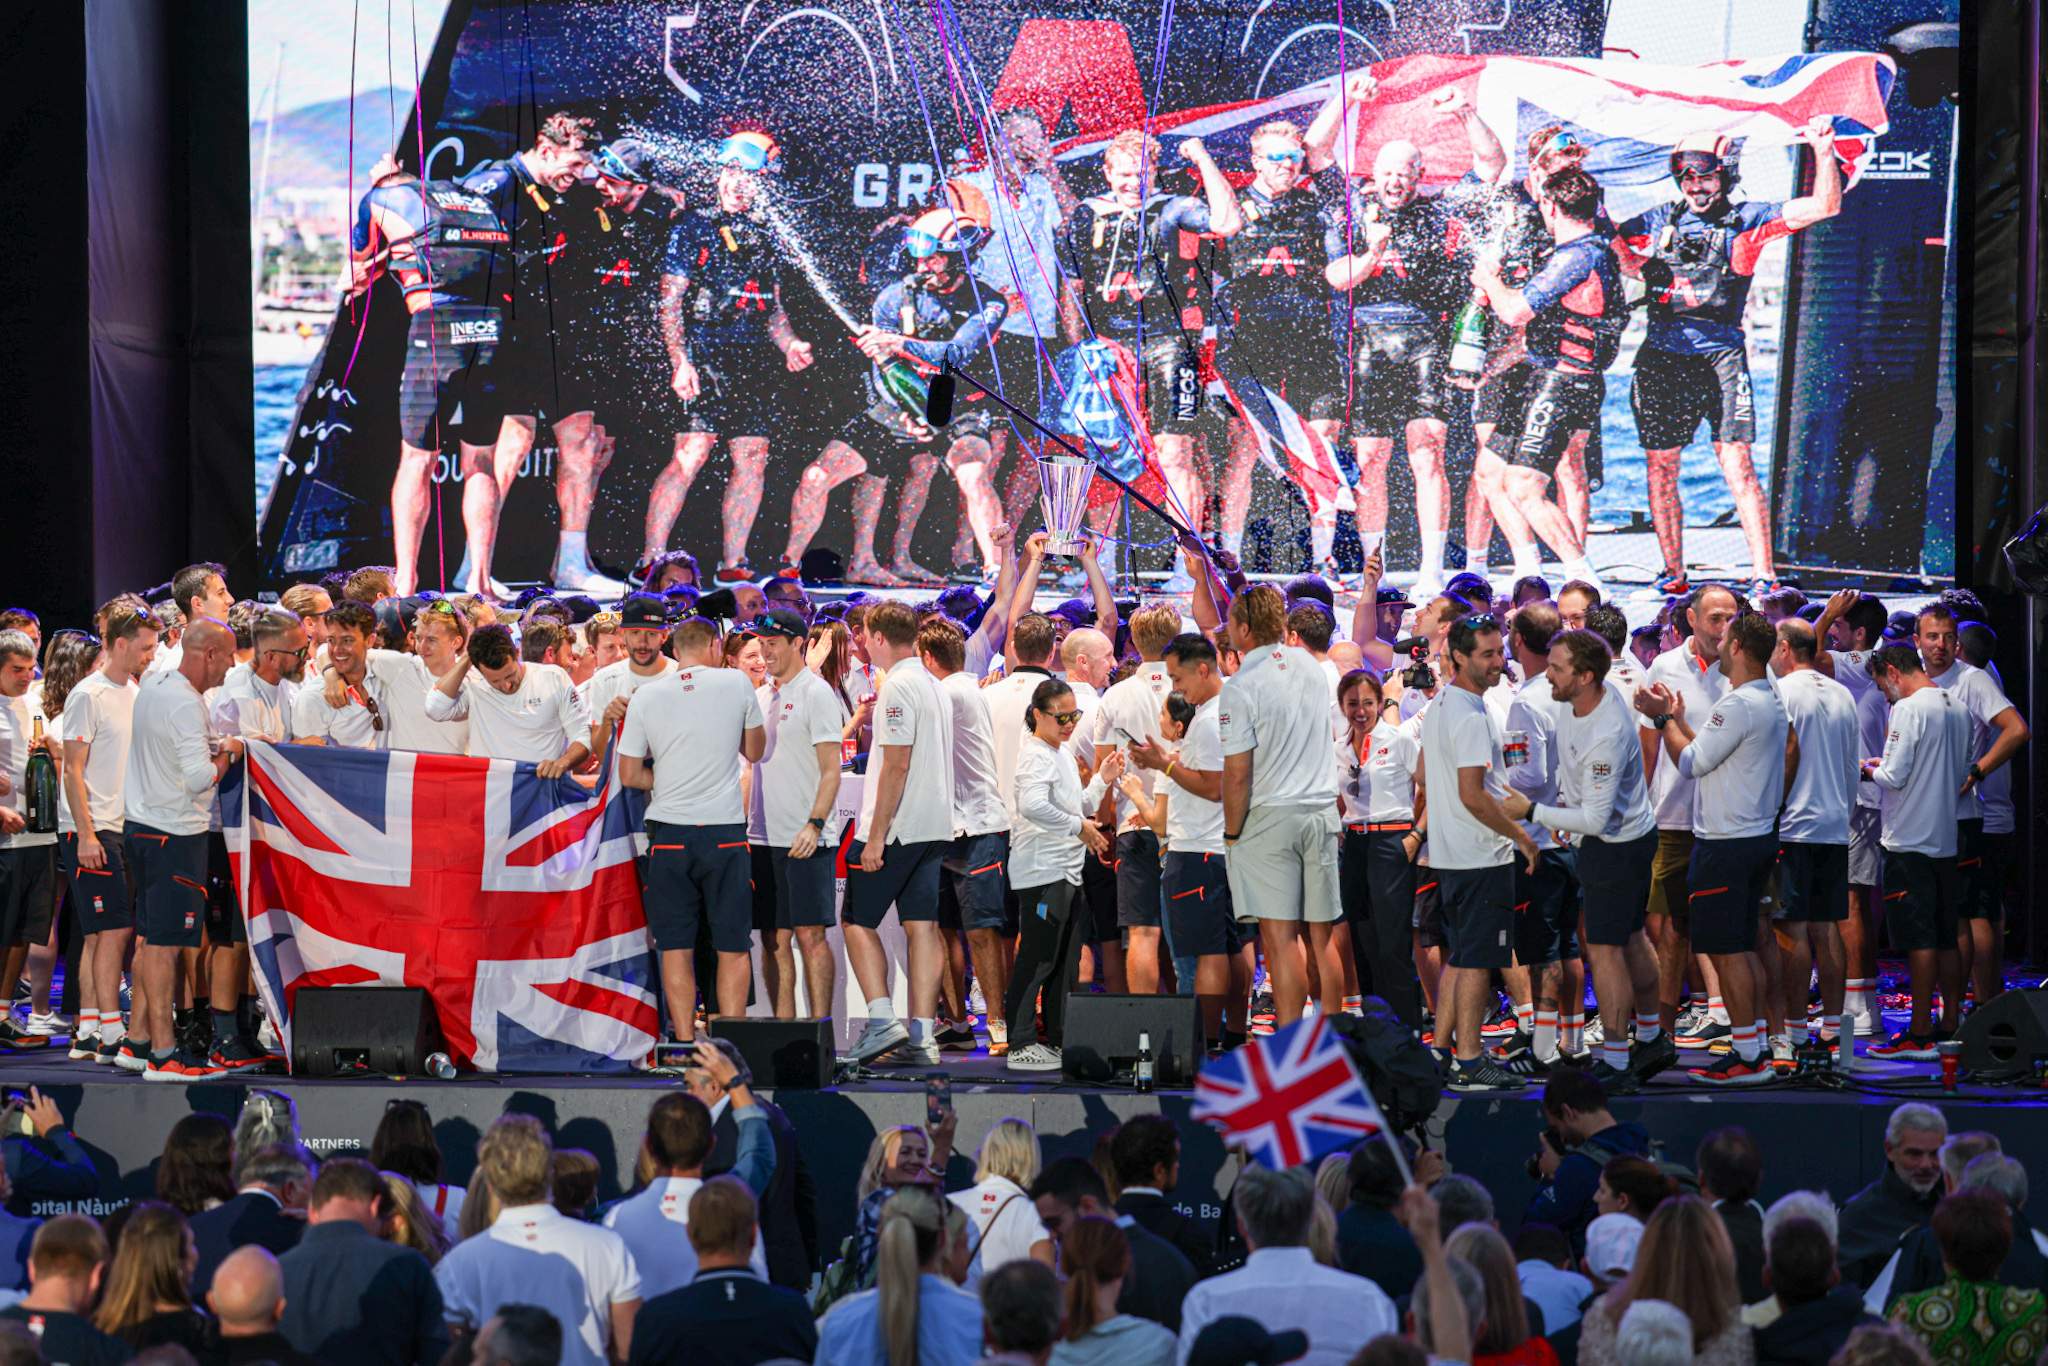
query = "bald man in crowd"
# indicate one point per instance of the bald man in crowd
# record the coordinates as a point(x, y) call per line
point(247, 1300)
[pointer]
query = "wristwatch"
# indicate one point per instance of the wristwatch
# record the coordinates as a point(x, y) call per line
point(1976, 773)
point(1659, 722)
point(817, 823)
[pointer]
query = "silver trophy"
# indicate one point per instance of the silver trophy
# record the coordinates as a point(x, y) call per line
point(1063, 484)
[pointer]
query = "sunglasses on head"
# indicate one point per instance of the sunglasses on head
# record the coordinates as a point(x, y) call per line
point(609, 164)
point(1558, 142)
point(603, 621)
point(1291, 154)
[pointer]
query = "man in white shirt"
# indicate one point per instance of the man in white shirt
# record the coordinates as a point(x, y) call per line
point(1280, 802)
point(1926, 760)
point(533, 1254)
point(643, 630)
point(1736, 761)
point(1813, 835)
point(1691, 670)
point(526, 712)
point(1128, 715)
point(904, 829)
point(1194, 871)
point(1604, 801)
point(683, 741)
point(973, 889)
point(361, 718)
point(1574, 600)
point(253, 703)
point(1853, 625)
point(28, 859)
point(174, 764)
point(1472, 846)
point(98, 725)
point(796, 784)
point(1548, 981)
point(1281, 1285)
point(654, 1222)
point(197, 590)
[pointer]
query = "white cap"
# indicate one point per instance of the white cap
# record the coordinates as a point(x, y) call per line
point(1611, 1242)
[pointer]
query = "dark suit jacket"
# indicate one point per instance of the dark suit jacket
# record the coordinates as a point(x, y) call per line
point(254, 1216)
point(789, 1207)
point(1159, 1279)
point(1157, 1215)
point(1745, 1225)
point(724, 1318)
point(1920, 1265)
point(352, 1299)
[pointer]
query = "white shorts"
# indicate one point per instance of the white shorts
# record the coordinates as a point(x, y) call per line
point(1284, 866)
point(1864, 855)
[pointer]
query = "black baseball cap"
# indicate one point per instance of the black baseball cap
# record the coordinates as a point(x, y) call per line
point(1235, 1340)
point(643, 610)
point(780, 621)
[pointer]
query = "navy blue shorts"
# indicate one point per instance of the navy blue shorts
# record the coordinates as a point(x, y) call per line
point(908, 880)
point(805, 888)
point(1198, 910)
point(1922, 900)
point(1478, 915)
point(1137, 880)
point(1547, 909)
point(699, 873)
point(1727, 878)
point(103, 897)
point(170, 886)
point(972, 882)
point(1614, 875)
point(1813, 881)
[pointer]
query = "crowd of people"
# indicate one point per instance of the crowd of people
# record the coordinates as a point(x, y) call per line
point(1247, 795)
point(1159, 319)
point(250, 1249)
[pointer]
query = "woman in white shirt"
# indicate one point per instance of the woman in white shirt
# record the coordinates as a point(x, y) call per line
point(1050, 841)
point(1379, 796)
point(1006, 1224)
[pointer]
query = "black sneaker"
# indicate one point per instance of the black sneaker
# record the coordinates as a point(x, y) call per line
point(1614, 1080)
point(1483, 1074)
point(1501, 1023)
point(1705, 1033)
point(1731, 1069)
point(236, 1054)
point(1512, 1046)
point(1646, 1060)
point(957, 1038)
point(107, 1052)
point(14, 1036)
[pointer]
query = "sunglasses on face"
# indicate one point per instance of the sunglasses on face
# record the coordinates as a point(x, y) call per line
point(299, 653)
point(1291, 154)
point(609, 164)
point(1558, 143)
point(1065, 718)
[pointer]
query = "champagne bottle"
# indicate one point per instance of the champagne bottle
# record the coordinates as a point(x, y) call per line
point(39, 796)
point(1468, 336)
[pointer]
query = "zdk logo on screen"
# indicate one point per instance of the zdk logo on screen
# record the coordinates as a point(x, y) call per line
point(1900, 166)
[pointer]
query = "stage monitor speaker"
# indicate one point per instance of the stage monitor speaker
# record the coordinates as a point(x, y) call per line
point(1102, 1037)
point(341, 1030)
point(2005, 1034)
point(782, 1053)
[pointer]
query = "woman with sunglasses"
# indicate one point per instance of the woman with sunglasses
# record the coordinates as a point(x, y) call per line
point(1049, 843)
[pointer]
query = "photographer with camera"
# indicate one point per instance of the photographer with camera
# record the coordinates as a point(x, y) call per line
point(1580, 1138)
point(43, 1158)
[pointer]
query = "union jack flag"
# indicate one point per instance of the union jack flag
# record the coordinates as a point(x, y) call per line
point(1288, 447)
point(512, 899)
point(1288, 1098)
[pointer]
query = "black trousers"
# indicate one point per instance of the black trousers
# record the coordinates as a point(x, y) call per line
point(1048, 959)
point(1378, 886)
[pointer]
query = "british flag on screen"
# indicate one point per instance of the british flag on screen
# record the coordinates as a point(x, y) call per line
point(512, 899)
point(1288, 1098)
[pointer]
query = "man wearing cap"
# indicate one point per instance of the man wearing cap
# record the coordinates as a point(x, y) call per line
point(606, 305)
point(730, 348)
point(1697, 255)
point(684, 738)
point(643, 629)
point(790, 808)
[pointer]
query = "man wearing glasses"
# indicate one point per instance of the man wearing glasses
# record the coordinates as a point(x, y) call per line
point(393, 691)
point(359, 719)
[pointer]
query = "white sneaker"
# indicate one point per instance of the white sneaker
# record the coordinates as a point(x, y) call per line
point(45, 1023)
point(878, 1038)
point(1035, 1057)
point(908, 1054)
point(1865, 1022)
point(581, 578)
point(976, 1003)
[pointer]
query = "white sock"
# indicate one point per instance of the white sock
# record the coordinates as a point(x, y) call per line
point(1369, 541)
point(1582, 569)
point(1795, 1034)
point(1233, 541)
point(1717, 1011)
point(922, 1031)
point(1571, 1033)
point(1856, 996)
point(881, 1008)
point(1433, 556)
point(112, 1031)
point(1475, 558)
point(572, 547)
point(1543, 1039)
point(1528, 559)
point(1615, 1051)
point(1525, 1018)
point(1648, 1027)
point(1322, 536)
point(1748, 1044)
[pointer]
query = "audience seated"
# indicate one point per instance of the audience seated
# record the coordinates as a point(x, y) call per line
point(1685, 1259)
point(349, 1296)
point(1095, 1256)
point(1902, 1199)
point(1970, 1316)
point(1158, 1277)
point(1816, 1312)
point(727, 1315)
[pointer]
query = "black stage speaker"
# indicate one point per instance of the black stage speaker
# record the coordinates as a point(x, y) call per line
point(2006, 1034)
point(337, 1030)
point(792, 1053)
point(1102, 1037)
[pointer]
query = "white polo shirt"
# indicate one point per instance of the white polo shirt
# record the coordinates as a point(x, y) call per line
point(350, 725)
point(1195, 826)
point(1852, 670)
point(17, 730)
point(618, 679)
point(910, 710)
point(534, 1254)
point(535, 722)
point(655, 1222)
point(101, 713)
point(690, 726)
point(1130, 712)
point(1009, 704)
point(1873, 723)
point(978, 805)
point(1736, 762)
point(403, 682)
point(796, 718)
point(1599, 775)
point(1983, 699)
point(1679, 669)
point(1534, 713)
point(1276, 707)
point(1926, 757)
point(1376, 782)
point(1822, 714)
point(245, 705)
point(1457, 733)
point(168, 783)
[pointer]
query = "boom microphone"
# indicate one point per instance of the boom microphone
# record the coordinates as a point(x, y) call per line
point(938, 399)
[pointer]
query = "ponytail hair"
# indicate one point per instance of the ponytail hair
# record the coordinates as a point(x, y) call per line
point(1042, 697)
point(1094, 1253)
point(913, 1226)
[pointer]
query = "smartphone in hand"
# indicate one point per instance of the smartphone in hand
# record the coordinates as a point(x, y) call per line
point(938, 1099)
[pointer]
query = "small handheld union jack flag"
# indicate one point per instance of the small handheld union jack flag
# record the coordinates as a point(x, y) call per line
point(1288, 1098)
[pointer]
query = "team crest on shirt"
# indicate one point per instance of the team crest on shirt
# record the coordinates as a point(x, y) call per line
point(894, 714)
point(1714, 720)
point(1603, 770)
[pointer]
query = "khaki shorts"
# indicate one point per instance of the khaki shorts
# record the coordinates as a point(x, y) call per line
point(1670, 887)
point(1284, 866)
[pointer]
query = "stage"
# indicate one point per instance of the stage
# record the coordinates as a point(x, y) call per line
point(1812, 1138)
